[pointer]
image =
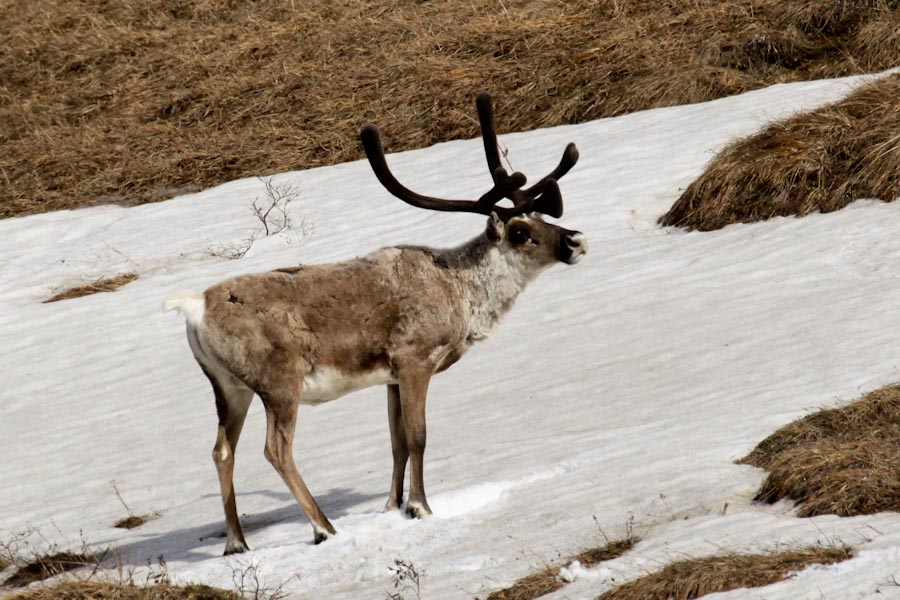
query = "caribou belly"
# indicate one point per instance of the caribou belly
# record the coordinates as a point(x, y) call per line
point(324, 383)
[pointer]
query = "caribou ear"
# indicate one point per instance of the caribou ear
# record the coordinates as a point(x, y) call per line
point(495, 228)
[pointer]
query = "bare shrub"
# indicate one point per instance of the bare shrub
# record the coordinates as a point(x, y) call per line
point(406, 579)
point(248, 583)
point(272, 211)
point(274, 218)
point(233, 250)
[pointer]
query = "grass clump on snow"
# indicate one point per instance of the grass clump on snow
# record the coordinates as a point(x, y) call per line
point(131, 521)
point(547, 580)
point(698, 577)
point(821, 160)
point(45, 567)
point(91, 590)
point(129, 102)
point(842, 461)
point(105, 284)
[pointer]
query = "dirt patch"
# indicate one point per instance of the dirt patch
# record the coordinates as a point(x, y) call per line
point(106, 284)
point(130, 101)
point(132, 521)
point(842, 461)
point(698, 577)
point(82, 590)
point(45, 567)
point(816, 161)
point(547, 580)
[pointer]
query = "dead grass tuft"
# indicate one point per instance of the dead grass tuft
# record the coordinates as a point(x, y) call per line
point(129, 102)
point(842, 461)
point(107, 284)
point(131, 521)
point(547, 580)
point(45, 567)
point(87, 590)
point(697, 577)
point(816, 161)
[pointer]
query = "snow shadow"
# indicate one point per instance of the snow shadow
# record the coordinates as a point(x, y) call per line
point(199, 543)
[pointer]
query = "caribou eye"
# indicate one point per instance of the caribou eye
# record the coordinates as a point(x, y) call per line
point(518, 235)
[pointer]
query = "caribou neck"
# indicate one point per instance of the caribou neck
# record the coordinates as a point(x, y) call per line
point(489, 277)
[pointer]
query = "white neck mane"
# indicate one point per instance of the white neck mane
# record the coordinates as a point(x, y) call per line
point(490, 278)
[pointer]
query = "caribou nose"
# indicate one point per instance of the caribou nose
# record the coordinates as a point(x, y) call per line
point(577, 246)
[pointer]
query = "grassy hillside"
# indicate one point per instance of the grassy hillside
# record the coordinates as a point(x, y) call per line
point(132, 102)
point(819, 161)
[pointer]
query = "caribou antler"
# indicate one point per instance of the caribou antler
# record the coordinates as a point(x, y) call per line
point(543, 197)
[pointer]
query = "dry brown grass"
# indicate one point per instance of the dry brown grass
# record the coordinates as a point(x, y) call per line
point(45, 567)
point(842, 461)
point(698, 577)
point(133, 101)
point(106, 284)
point(816, 161)
point(547, 579)
point(88, 590)
point(131, 522)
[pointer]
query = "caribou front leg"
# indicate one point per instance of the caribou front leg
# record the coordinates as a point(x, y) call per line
point(413, 390)
point(399, 448)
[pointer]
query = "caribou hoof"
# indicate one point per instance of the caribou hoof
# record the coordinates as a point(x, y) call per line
point(418, 511)
point(235, 548)
point(392, 505)
point(320, 535)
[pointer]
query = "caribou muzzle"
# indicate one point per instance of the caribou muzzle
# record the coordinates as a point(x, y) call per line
point(572, 247)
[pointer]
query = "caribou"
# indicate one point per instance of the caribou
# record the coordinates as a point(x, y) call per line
point(312, 333)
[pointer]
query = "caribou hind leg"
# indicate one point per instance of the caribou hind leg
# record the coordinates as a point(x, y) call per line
point(232, 402)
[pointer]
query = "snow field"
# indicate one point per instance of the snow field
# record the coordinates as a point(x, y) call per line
point(617, 391)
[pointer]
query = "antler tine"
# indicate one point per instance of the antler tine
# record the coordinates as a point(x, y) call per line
point(485, 106)
point(371, 141)
point(543, 197)
point(504, 185)
point(569, 158)
point(550, 200)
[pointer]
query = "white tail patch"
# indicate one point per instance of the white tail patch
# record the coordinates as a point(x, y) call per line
point(190, 304)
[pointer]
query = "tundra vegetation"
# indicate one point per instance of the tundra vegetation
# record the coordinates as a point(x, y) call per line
point(131, 102)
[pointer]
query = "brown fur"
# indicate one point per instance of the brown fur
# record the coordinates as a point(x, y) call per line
point(395, 317)
point(312, 334)
point(357, 316)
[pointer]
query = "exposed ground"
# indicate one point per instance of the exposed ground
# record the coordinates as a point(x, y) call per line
point(104, 284)
point(816, 161)
point(129, 102)
point(693, 578)
point(843, 461)
point(90, 590)
point(45, 567)
point(546, 580)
